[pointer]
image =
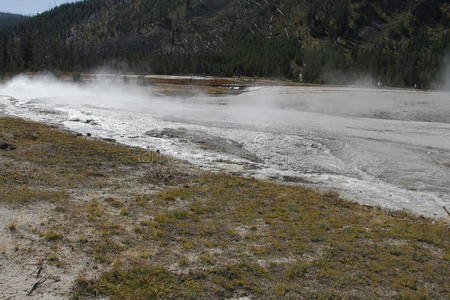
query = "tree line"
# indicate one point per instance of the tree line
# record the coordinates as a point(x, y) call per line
point(400, 43)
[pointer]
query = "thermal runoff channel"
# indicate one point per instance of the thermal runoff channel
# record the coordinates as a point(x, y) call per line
point(382, 147)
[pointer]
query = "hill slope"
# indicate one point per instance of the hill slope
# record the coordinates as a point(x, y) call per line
point(398, 42)
point(8, 20)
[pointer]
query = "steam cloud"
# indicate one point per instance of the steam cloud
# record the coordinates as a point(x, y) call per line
point(368, 139)
point(259, 104)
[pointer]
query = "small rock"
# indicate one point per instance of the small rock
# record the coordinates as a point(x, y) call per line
point(88, 134)
point(91, 122)
point(7, 146)
point(109, 140)
point(10, 136)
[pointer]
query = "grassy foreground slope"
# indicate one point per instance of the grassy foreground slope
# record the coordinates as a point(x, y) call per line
point(155, 228)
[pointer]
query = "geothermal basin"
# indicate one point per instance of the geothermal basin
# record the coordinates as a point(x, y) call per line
point(381, 147)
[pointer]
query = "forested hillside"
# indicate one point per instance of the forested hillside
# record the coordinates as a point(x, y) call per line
point(398, 42)
point(9, 20)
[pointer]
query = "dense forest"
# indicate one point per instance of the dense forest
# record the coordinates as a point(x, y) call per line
point(397, 42)
point(9, 20)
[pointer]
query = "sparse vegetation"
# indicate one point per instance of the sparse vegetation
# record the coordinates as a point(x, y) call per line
point(12, 226)
point(52, 236)
point(24, 195)
point(202, 235)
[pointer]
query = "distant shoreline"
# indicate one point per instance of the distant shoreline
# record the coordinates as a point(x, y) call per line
point(202, 80)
